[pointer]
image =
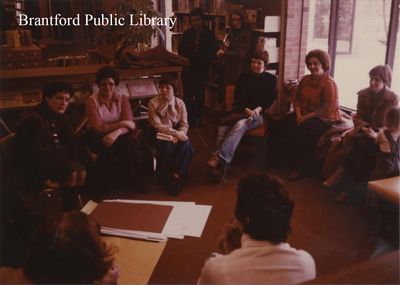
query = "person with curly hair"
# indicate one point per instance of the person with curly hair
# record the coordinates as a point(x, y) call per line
point(316, 109)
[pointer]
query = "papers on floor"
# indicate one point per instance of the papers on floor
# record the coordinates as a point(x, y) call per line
point(149, 220)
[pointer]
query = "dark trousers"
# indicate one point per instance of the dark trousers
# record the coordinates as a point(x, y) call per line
point(173, 158)
point(361, 157)
point(123, 158)
point(306, 137)
point(194, 89)
point(280, 138)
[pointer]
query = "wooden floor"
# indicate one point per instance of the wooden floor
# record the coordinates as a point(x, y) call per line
point(337, 236)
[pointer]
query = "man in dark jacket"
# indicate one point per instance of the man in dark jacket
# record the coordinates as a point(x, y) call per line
point(198, 44)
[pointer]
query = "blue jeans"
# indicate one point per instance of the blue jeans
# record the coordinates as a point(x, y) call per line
point(173, 158)
point(228, 137)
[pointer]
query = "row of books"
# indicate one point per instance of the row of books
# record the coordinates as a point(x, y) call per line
point(217, 25)
point(68, 60)
point(208, 6)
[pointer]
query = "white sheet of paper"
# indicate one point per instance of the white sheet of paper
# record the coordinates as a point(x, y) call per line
point(197, 219)
point(186, 218)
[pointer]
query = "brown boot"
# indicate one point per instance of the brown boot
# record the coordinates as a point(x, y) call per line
point(214, 161)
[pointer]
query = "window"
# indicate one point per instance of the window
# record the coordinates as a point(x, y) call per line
point(358, 35)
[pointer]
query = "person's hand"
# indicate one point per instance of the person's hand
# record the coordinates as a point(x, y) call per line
point(111, 276)
point(220, 53)
point(181, 136)
point(128, 124)
point(110, 138)
point(369, 132)
point(230, 239)
point(249, 112)
point(301, 120)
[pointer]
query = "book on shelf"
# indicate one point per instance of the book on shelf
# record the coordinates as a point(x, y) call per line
point(175, 41)
point(219, 6)
point(164, 137)
point(208, 6)
point(180, 5)
point(192, 4)
point(185, 23)
point(209, 24)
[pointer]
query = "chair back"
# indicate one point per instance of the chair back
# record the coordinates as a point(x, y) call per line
point(6, 145)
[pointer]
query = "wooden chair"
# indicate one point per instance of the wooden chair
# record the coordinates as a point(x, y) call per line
point(259, 132)
point(8, 171)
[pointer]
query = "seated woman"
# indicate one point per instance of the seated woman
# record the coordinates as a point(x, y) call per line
point(45, 151)
point(69, 251)
point(373, 103)
point(316, 106)
point(168, 116)
point(255, 91)
point(111, 126)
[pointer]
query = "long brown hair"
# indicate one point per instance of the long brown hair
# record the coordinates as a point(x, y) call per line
point(70, 251)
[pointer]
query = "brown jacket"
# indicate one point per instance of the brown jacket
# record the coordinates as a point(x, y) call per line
point(237, 55)
point(373, 115)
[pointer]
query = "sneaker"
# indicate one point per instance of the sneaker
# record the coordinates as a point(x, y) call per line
point(214, 161)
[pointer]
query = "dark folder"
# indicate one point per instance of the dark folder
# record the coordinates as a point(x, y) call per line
point(130, 216)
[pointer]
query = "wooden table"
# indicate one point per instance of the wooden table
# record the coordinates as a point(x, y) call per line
point(136, 259)
point(388, 188)
point(383, 269)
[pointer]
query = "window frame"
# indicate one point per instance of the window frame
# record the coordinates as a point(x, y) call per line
point(391, 36)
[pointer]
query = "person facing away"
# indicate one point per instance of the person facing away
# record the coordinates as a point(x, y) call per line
point(66, 251)
point(388, 141)
point(263, 211)
point(199, 46)
point(255, 91)
point(168, 116)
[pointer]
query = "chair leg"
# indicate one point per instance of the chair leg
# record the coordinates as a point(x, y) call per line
point(154, 164)
point(80, 201)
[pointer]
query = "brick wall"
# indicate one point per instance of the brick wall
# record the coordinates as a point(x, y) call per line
point(295, 38)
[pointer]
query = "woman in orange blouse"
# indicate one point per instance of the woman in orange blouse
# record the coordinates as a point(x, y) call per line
point(316, 106)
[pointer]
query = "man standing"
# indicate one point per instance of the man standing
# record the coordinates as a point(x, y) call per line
point(198, 44)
